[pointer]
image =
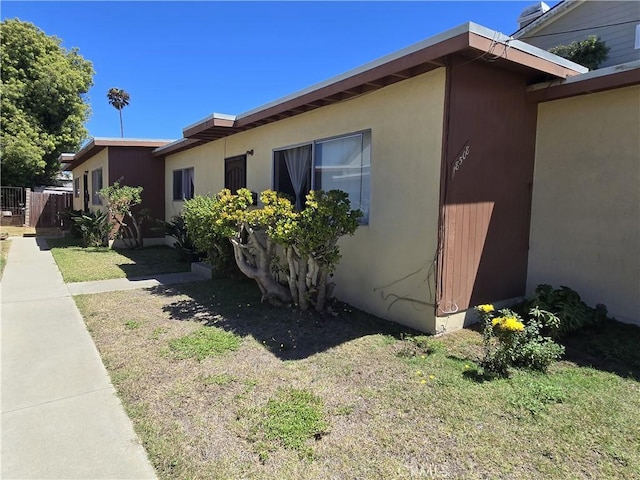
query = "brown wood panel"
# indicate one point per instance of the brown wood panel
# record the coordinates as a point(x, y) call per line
point(485, 186)
point(45, 209)
point(136, 166)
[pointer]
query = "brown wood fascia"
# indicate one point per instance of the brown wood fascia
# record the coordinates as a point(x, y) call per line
point(498, 50)
point(593, 85)
point(396, 70)
point(97, 144)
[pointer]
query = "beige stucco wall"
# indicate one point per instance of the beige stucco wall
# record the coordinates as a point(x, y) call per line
point(387, 267)
point(100, 160)
point(585, 221)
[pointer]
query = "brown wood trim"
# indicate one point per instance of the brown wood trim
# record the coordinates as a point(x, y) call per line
point(95, 145)
point(430, 55)
point(207, 124)
point(590, 85)
point(443, 180)
point(518, 56)
point(412, 64)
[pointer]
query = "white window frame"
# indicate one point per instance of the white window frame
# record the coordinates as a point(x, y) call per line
point(365, 219)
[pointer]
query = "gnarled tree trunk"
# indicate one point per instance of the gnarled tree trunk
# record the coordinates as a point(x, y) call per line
point(254, 260)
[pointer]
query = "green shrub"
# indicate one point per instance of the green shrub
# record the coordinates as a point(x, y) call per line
point(567, 305)
point(177, 228)
point(509, 341)
point(201, 215)
point(590, 52)
point(95, 228)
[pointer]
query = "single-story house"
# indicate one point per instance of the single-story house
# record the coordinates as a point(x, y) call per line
point(436, 143)
point(103, 161)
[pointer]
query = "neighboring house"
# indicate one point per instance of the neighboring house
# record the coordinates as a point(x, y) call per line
point(435, 143)
point(617, 23)
point(103, 161)
point(585, 219)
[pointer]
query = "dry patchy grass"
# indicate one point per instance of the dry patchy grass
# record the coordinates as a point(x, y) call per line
point(395, 406)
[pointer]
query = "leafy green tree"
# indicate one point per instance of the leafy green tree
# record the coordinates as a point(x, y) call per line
point(590, 52)
point(43, 107)
point(118, 99)
point(121, 199)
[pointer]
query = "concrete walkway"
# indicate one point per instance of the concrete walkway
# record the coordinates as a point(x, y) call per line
point(61, 417)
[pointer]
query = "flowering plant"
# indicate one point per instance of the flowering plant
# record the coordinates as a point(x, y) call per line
point(509, 341)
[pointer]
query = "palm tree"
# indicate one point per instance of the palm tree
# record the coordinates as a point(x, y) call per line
point(119, 99)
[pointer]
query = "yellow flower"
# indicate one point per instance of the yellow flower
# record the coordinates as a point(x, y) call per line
point(431, 377)
point(418, 372)
point(511, 324)
point(485, 308)
point(466, 366)
point(423, 381)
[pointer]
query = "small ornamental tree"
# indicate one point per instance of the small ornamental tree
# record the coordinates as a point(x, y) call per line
point(308, 240)
point(120, 202)
point(590, 52)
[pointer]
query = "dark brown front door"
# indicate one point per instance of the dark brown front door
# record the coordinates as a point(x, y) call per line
point(235, 173)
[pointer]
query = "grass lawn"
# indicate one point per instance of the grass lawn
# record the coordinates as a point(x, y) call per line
point(79, 264)
point(219, 386)
point(5, 245)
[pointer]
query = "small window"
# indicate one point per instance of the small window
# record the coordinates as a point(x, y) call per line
point(96, 186)
point(340, 163)
point(235, 173)
point(344, 163)
point(76, 187)
point(183, 186)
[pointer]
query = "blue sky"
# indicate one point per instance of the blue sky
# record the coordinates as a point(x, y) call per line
point(182, 61)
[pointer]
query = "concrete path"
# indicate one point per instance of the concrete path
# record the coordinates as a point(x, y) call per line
point(100, 286)
point(61, 418)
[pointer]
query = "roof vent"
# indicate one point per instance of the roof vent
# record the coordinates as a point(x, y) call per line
point(532, 12)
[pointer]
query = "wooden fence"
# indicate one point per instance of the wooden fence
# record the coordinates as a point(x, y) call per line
point(44, 209)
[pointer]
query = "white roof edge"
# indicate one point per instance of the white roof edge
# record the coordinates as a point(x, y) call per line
point(469, 27)
point(464, 28)
point(602, 72)
point(221, 116)
point(526, 47)
point(175, 142)
point(120, 139)
point(549, 16)
point(91, 140)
